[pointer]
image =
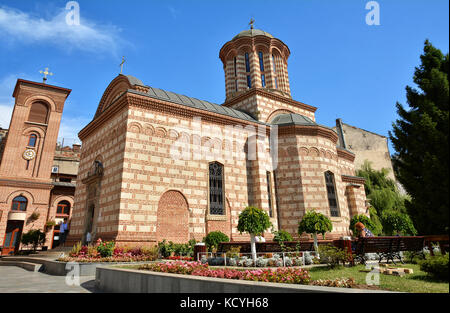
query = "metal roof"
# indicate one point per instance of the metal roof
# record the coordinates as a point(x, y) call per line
point(161, 94)
point(292, 119)
point(252, 33)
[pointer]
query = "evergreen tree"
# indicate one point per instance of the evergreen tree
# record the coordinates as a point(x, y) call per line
point(420, 138)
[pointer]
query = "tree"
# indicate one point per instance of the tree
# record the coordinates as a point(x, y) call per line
point(282, 236)
point(382, 193)
point(254, 221)
point(397, 223)
point(33, 237)
point(420, 139)
point(314, 223)
point(213, 239)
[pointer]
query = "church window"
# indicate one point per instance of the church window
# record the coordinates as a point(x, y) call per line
point(269, 193)
point(216, 192)
point(247, 63)
point(19, 204)
point(235, 67)
point(236, 85)
point(249, 81)
point(32, 140)
point(38, 113)
point(261, 61)
point(331, 192)
point(263, 80)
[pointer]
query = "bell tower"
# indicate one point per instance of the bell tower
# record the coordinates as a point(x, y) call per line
point(30, 144)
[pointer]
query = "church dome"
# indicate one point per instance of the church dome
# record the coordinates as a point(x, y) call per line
point(252, 33)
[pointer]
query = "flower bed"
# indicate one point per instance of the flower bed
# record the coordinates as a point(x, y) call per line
point(108, 252)
point(279, 275)
point(180, 258)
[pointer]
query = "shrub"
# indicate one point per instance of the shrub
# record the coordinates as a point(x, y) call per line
point(436, 266)
point(33, 237)
point(106, 248)
point(213, 239)
point(396, 222)
point(332, 255)
point(338, 282)
point(281, 236)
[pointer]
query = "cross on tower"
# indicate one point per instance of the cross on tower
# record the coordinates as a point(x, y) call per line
point(45, 72)
point(251, 23)
point(121, 64)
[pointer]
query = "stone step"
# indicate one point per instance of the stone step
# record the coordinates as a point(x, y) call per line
point(32, 267)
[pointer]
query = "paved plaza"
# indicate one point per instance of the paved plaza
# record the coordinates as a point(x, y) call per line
point(16, 280)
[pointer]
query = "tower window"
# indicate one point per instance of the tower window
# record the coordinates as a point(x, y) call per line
point(32, 140)
point(247, 63)
point(249, 81)
point(216, 202)
point(261, 61)
point(263, 80)
point(38, 113)
point(236, 85)
point(19, 204)
point(269, 193)
point(274, 71)
point(235, 67)
point(331, 192)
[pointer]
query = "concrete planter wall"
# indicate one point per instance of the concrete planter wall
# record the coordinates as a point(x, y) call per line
point(113, 279)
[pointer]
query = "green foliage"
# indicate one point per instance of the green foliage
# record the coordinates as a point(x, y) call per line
point(397, 223)
point(166, 249)
point(106, 248)
point(282, 236)
point(33, 237)
point(420, 138)
point(383, 195)
point(253, 221)
point(363, 219)
point(213, 239)
point(314, 222)
point(436, 266)
point(332, 255)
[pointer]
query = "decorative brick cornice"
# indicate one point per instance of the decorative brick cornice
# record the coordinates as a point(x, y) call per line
point(345, 154)
point(25, 184)
point(353, 179)
point(40, 85)
point(310, 130)
point(269, 95)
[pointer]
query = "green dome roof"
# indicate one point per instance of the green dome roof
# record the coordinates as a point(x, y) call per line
point(252, 33)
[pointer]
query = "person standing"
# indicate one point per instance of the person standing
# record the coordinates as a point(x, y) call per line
point(63, 230)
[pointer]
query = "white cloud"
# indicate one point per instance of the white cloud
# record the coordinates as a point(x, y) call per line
point(19, 26)
point(70, 127)
point(5, 114)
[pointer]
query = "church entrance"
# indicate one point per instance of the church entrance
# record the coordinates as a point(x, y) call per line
point(12, 237)
point(172, 218)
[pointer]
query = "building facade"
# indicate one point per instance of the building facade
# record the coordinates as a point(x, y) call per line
point(159, 165)
point(32, 192)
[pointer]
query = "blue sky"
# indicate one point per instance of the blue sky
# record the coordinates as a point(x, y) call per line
point(338, 63)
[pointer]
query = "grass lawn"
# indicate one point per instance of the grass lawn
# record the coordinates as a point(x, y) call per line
point(418, 282)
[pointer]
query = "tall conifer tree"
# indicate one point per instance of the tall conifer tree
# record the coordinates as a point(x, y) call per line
point(420, 138)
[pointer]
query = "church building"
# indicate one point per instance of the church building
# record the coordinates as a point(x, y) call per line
point(159, 165)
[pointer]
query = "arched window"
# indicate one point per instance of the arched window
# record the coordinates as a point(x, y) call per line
point(216, 194)
point(63, 208)
point(32, 140)
point(19, 203)
point(38, 113)
point(247, 63)
point(331, 192)
point(274, 72)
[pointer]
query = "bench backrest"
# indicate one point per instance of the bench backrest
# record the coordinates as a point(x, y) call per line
point(389, 244)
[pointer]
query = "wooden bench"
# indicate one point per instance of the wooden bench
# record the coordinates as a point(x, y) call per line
point(388, 247)
point(441, 240)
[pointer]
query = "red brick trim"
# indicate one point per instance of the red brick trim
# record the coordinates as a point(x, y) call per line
point(42, 85)
point(345, 154)
point(313, 130)
point(353, 179)
point(272, 96)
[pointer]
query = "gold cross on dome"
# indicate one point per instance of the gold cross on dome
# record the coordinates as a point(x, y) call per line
point(45, 72)
point(121, 64)
point(252, 21)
